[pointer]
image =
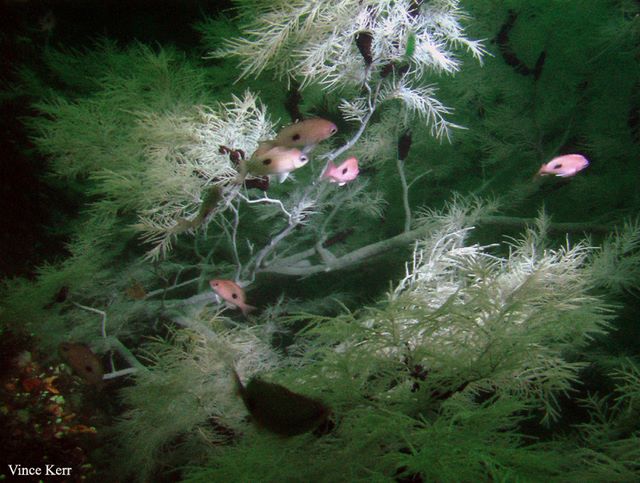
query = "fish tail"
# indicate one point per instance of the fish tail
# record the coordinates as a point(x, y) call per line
point(242, 171)
point(238, 382)
point(329, 169)
point(246, 308)
point(538, 174)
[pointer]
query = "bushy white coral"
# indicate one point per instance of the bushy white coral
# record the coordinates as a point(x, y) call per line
point(315, 42)
point(189, 392)
point(498, 324)
point(183, 160)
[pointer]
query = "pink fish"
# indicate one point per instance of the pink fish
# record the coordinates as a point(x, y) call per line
point(564, 166)
point(306, 133)
point(232, 293)
point(278, 160)
point(347, 171)
point(263, 148)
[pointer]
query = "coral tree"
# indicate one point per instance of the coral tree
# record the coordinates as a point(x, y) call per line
point(478, 359)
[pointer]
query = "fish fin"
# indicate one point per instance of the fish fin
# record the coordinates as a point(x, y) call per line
point(342, 184)
point(539, 173)
point(282, 177)
point(330, 167)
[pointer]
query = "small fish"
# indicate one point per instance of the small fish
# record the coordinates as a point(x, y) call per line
point(564, 166)
point(347, 171)
point(279, 410)
point(83, 361)
point(274, 159)
point(232, 293)
point(305, 133)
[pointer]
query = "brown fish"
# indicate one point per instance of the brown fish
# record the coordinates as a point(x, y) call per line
point(83, 361)
point(279, 410)
point(305, 133)
point(276, 160)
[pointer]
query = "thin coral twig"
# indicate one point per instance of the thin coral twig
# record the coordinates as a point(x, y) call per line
point(266, 199)
point(234, 238)
point(405, 194)
point(96, 311)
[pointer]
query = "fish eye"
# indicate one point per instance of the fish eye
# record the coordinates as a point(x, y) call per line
point(333, 130)
point(303, 158)
point(295, 137)
point(234, 295)
point(267, 162)
point(344, 171)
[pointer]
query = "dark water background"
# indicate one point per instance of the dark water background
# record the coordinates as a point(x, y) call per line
point(29, 204)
